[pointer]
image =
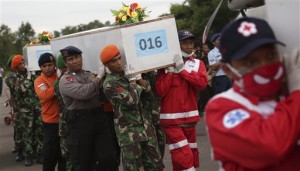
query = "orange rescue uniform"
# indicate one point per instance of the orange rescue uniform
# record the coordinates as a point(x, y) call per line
point(44, 88)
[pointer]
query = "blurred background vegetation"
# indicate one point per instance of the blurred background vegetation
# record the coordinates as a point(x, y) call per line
point(192, 15)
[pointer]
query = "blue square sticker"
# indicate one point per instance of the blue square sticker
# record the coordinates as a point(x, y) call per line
point(150, 43)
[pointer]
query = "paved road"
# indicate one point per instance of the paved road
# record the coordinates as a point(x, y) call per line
point(7, 159)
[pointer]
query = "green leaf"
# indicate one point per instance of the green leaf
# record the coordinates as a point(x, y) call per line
point(124, 4)
point(115, 12)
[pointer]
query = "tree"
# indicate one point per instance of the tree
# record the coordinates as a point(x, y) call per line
point(23, 36)
point(193, 15)
point(56, 33)
point(6, 47)
point(83, 27)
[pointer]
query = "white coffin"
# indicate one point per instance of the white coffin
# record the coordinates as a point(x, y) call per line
point(284, 18)
point(32, 53)
point(147, 45)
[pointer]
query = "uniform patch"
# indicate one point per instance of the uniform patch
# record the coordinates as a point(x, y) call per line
point(71, 79)
point(120, 89)
point(234, 118)
point(42, 86)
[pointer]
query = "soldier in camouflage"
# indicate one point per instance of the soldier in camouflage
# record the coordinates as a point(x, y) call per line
point(152, 105)
point(27, 109)
point(62, 118)
point(133, 125)
point(16, 116)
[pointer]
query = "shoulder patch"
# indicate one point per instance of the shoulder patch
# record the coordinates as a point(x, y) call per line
point(42, 86)
point(234, 118)
point(71, 79)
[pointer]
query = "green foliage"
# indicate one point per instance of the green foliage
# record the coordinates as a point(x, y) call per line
point(83, 27)
point(193, 15)
point(6, 47)
point(23, 36)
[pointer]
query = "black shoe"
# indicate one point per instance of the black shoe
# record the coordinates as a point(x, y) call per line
point(19, 158)
point(14, 150)
point(28, 161)
point(39, 160)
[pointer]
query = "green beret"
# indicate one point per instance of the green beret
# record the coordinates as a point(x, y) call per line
point(9, 61)
point(60, 62)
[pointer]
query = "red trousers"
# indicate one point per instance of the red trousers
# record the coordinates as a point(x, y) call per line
point(183, 147)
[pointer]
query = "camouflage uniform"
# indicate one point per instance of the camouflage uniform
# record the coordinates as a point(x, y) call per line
point(134, 129)
point(18, 129)
point(62, 127)
point(152, 105)
point(28, 108)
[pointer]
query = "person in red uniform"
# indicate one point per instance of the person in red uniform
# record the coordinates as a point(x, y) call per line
point(44, 88)
point(177, 87)
point(254, 126)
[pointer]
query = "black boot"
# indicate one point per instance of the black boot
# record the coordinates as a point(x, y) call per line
point(28, 161)
point(14, 150)
point(19, 156)
point(39, 159)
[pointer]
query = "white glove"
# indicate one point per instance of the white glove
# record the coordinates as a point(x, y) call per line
point(101, 71)
point(170, 69)
point(130, 73)
point(138, 76)
point(28, 75)
point(107, 70)
point(292, 66)
point(179, 64)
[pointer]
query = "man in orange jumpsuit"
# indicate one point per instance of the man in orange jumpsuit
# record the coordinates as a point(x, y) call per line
point(44, 88)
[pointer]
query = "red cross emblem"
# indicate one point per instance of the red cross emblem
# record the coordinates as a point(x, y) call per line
point(247, 29)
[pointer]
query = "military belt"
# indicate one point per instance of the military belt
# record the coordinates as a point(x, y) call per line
point(75, 115)
point(87, 111)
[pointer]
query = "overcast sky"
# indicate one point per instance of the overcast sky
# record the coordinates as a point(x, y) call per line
point(50, 15)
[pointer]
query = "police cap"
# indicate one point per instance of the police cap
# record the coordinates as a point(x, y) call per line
point(184, 34)
point(70, 51)
point(215, 37)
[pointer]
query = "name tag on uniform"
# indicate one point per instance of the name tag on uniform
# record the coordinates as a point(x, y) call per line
point(190, 66)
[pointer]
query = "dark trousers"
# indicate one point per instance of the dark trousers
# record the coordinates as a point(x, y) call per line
point(204, 97)
point(221, 84)
point(1, 80)
point(90, 142)
point(51, 148)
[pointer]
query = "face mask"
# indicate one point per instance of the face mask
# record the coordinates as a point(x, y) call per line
point(185, 55)
point(265, 81)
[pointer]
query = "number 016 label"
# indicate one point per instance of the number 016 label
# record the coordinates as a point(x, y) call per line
point(150, 43)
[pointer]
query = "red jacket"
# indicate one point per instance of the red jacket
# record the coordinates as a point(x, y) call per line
point(248, 134)
point(178, 92)
point(44, 88)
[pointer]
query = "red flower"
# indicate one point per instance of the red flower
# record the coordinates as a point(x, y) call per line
point(133, 5)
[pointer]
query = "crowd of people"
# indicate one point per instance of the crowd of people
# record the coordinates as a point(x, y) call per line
point(81, 121)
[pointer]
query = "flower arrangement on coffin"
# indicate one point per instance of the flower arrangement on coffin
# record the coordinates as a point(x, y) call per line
point(130, 14)
point(43, 38)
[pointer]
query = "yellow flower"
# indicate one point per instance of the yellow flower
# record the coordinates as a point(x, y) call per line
point(129, 11)
point(124, 18)
point(125, 8)
point(134, 14)
point(121, 15)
